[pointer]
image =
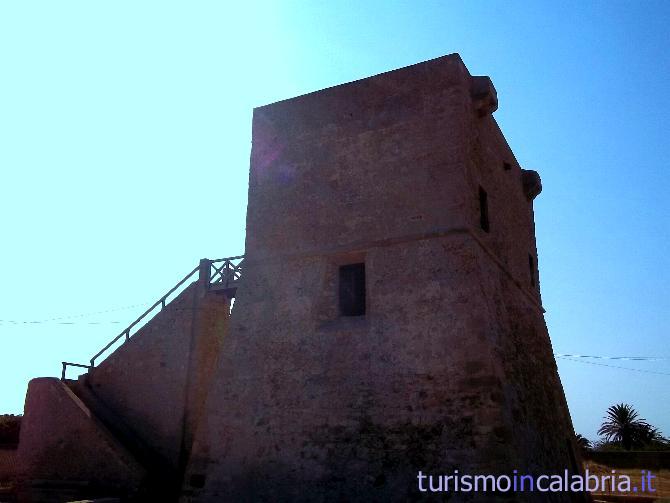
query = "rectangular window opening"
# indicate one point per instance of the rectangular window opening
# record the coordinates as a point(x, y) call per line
point(352, 290)
point(197, 480)
point(507, 166)
point(531, 266)
point(483, 210)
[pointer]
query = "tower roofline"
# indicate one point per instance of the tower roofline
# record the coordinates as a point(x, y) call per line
point(397, 73)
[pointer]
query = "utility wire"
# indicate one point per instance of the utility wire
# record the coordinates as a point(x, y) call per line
point(58, 319)
point(613, 366)
point(15, 323)
point(631, 358)
point(564, 356)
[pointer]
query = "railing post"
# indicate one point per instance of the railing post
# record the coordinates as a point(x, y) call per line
point(204, 273)
point(227, 273)
point(62, 377)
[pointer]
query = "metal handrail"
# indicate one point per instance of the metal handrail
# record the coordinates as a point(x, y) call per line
point(162, 302)
point(226, 258)
point(70, 364)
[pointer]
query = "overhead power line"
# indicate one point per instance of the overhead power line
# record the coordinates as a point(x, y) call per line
point(58, 320)
point(599, 357)
point(15, 323)
point(613, 366)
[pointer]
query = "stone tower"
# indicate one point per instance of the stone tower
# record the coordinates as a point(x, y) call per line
point(389, 319)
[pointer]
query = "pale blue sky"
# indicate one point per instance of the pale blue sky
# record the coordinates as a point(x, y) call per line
point(125, 137)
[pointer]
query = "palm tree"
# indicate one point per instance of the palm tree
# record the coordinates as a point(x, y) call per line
point(654, 436)
point(583, 443)
point(622, 424)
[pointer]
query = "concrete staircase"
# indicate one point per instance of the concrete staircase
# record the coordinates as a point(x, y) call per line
point(159, 472)
point(125, 428)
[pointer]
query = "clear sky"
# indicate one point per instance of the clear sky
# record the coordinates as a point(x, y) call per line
point(125, 139)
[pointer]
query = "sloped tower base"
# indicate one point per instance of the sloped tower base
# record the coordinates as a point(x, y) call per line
point(434, 355)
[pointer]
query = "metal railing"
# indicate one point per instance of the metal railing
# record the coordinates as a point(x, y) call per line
point(70, 364)
point(223, 273)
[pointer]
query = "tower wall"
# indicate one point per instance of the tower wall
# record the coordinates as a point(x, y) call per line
point(451, 365)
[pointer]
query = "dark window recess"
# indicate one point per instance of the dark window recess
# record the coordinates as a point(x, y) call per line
point(352, 290)
point(483, 210)
point(531, 267)
point(197, 481)
point(507, 166)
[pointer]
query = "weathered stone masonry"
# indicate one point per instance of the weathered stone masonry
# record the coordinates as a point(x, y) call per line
point(450, 366)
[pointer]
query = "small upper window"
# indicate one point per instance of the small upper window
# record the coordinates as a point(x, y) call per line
point(507, 166)
point(352, 290)
point(483, 210)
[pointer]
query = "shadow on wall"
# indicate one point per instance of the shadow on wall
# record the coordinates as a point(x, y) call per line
point(7, 463)
point(10, 426)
